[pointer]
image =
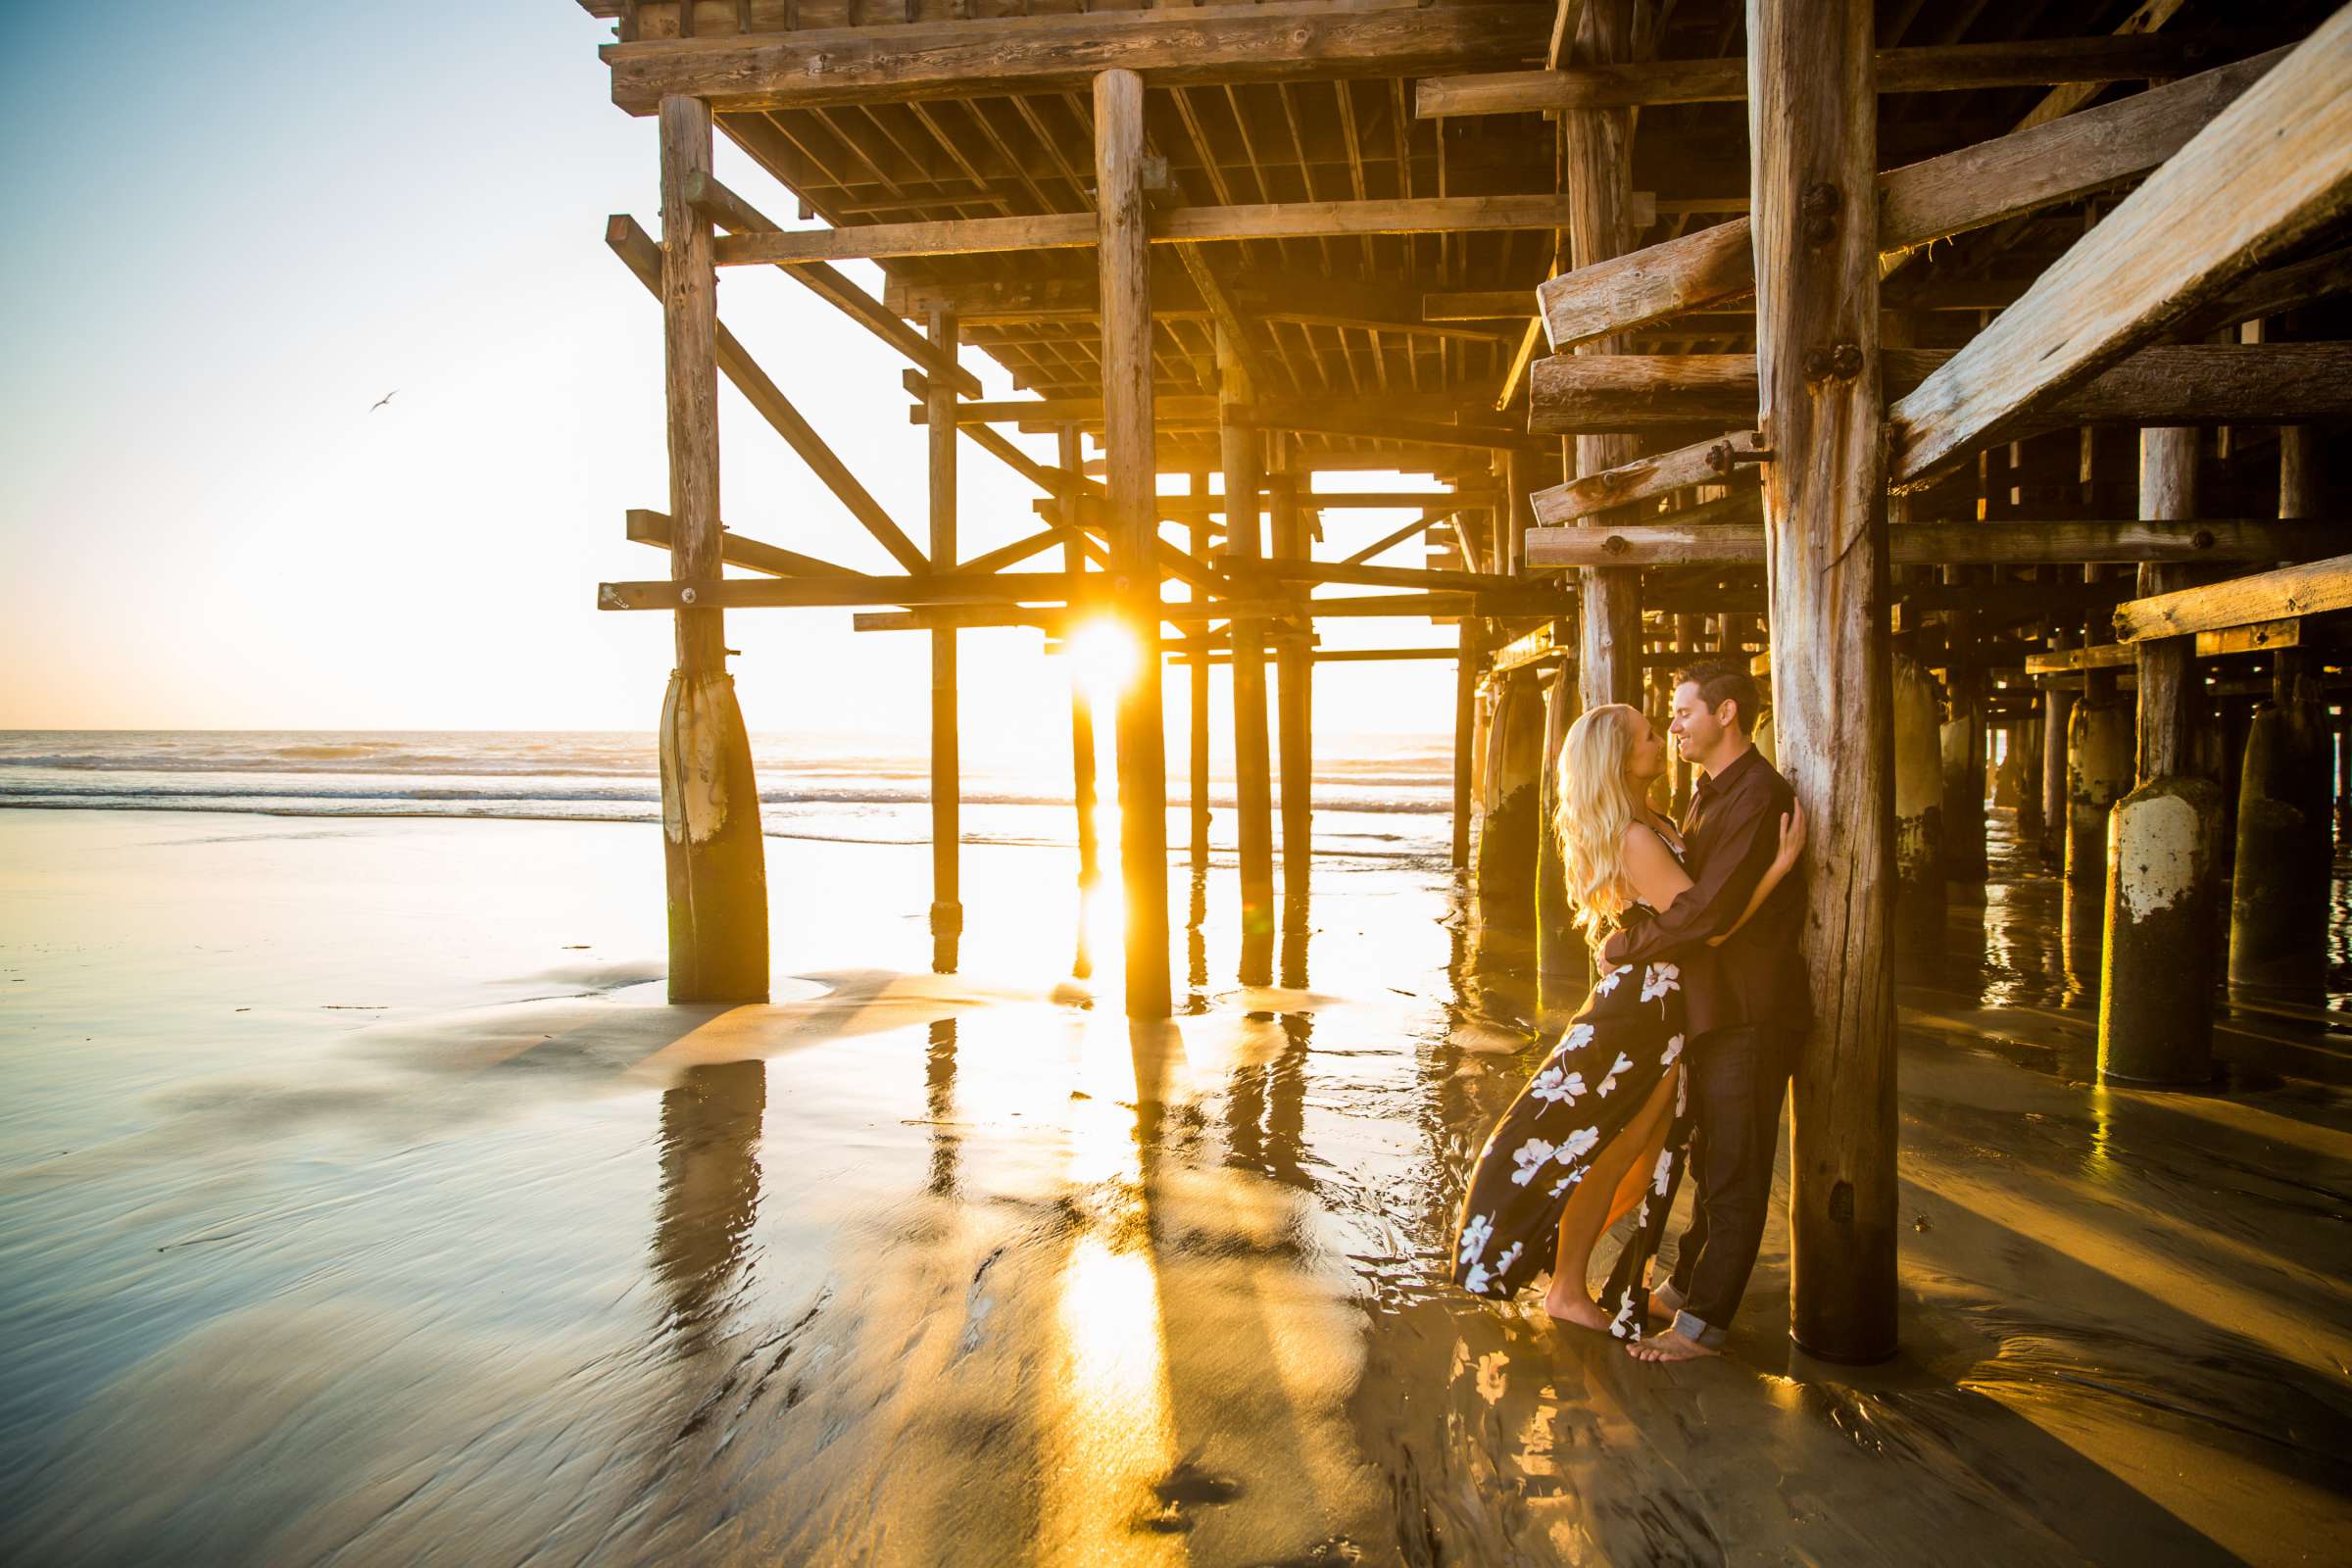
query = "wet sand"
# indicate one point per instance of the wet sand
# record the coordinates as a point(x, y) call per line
point(361, 1200)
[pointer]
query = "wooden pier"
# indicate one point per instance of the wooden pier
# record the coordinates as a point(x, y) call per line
point(1841, 336)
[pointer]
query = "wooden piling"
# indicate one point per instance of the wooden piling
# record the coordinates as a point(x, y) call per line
point(2279, 883)
point(2156, 979)
point(2057, 708)
point(1513, 795)
point(1465, 735)
point(1123, 255)
point(1294, 668)
point(1564, 962)
point(1069, 451)
point(1596, 163)
point(713, 857)
point(1198, 712)
point(1254, 798)
point(1919, 797)
point(947, 783)
point(1812, 138)
point(2101, 765)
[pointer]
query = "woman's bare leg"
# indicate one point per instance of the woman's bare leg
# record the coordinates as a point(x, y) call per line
point(1620, 1172)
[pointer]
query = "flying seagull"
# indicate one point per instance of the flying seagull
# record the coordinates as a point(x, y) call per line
point(386, 398)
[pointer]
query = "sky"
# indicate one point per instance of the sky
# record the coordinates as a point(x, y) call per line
point(207, 526)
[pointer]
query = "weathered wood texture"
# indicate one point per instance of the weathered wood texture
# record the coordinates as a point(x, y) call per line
point(1124, 264)
point(2310, 589)
point(1919, 203)
point(1181, 225)
point(1711, 462)
point(1812, 135)
point(990, 58)
point(2171, 383)
point(1942, 67)
point(2012, 542)
point(2269, 169)
point(646, 527)
point(1294, 669)
point(2167, 490)
point(1253, 802)
point(1596, 176)
point(946, 733)
point(1082, 706)
point(714, 858)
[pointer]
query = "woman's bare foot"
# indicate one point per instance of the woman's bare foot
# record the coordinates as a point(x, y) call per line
point(1670, 1345)
point(1577, 1311)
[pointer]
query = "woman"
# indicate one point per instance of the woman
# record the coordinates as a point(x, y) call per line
point(1601, 1128)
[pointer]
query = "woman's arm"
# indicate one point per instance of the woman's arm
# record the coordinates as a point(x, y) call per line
point(1793, 846)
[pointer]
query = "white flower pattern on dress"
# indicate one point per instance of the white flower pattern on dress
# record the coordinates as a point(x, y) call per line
point(1624, 1064)
point(1577, 1039)
point(1475, 1282)
point(1673, 1048)
point(1555, 1084)
point(1659, 979)
point(1657, 1179)
point(1530, 1157)
point(1608, 982)
point(1475, 1237)
point(1579, 1143)
point(1502, 1264)
point(1623, 1324)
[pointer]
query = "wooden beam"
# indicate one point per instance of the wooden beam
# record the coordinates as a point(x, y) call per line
point(2263, 637)
point(2009, 542)
point(2067, 97)
point(1919, 203)
point(1181, 225)
point(1306, 414)
point(1941, 67)
point(1009, 56)
point(646, 527)
point(1545, 642)
point(929, 588)
point(2286, 594)
point(1720, 460)
point(2164, 384)
point(1276, 569)
point(1388, 541)
point(732, 212)
point(643, 257)
point(1052, 481)
point(2271, 168)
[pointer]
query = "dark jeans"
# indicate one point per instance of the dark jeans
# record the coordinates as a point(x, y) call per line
point(1737, 1078)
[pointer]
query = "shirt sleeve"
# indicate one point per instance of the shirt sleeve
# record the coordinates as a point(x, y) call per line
point(1736, 863)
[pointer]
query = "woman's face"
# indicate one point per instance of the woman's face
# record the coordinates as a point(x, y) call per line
point(1644, 751)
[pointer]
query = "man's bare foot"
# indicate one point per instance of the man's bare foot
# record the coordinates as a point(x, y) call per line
point(1577, 1311)
point(1668, 1346)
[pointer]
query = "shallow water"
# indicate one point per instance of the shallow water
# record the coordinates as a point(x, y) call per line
point(360, 1201)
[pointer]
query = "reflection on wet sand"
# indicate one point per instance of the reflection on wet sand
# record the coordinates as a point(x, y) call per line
point(950, 1270)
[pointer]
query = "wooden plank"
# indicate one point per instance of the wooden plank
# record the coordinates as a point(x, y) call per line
point(2009, 542)
point(2260, 638)
point(1306, 414)
point(1245, 571)
point(2286, 594)
point(2271, 168)
point(646, 527)
point(1541, 644)
point(732, 212)
point(1004, 56)
point(2200, 383)
point(1711, 462)
point(1940, 68)
point(1812, 135)
point(682, 280)
point(1920, 202)
point(1183, 225)
point(930, 588)
point(946, 733)
point(643, 257)
point(2073, 95)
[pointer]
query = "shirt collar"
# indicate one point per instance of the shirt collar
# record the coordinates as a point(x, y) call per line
point(1714, 783)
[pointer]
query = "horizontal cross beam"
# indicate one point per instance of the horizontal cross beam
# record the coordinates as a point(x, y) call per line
point(2008, 542)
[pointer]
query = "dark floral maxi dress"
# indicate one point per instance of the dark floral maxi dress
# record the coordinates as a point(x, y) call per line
point(1590, 1089)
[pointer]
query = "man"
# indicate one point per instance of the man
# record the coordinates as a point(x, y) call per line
point(1748, 1000)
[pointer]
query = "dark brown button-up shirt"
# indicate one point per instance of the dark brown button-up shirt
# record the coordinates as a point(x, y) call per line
point(1730, 836)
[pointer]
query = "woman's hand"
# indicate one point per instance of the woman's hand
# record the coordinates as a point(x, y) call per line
point(1792, 839)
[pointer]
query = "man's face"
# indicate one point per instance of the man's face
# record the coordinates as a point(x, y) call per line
point(1695, 729)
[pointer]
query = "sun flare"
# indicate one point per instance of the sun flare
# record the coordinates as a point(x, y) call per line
point(1104, 659)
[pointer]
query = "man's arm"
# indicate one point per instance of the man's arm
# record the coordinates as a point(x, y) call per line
point(1736, 864)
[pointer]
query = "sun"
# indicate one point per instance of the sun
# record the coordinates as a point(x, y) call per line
point(1103, 657)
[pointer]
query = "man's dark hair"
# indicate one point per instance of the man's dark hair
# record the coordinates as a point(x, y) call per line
point(1718, 683)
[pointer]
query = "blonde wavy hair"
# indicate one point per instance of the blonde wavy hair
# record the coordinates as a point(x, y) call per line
point(1595, 806)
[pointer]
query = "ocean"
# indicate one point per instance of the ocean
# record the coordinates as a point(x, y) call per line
point(1384, 799)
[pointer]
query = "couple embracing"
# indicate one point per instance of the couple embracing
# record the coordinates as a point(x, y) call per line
point(1679, 1056)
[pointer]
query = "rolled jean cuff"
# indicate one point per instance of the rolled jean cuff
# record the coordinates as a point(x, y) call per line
point(1697, 1331)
